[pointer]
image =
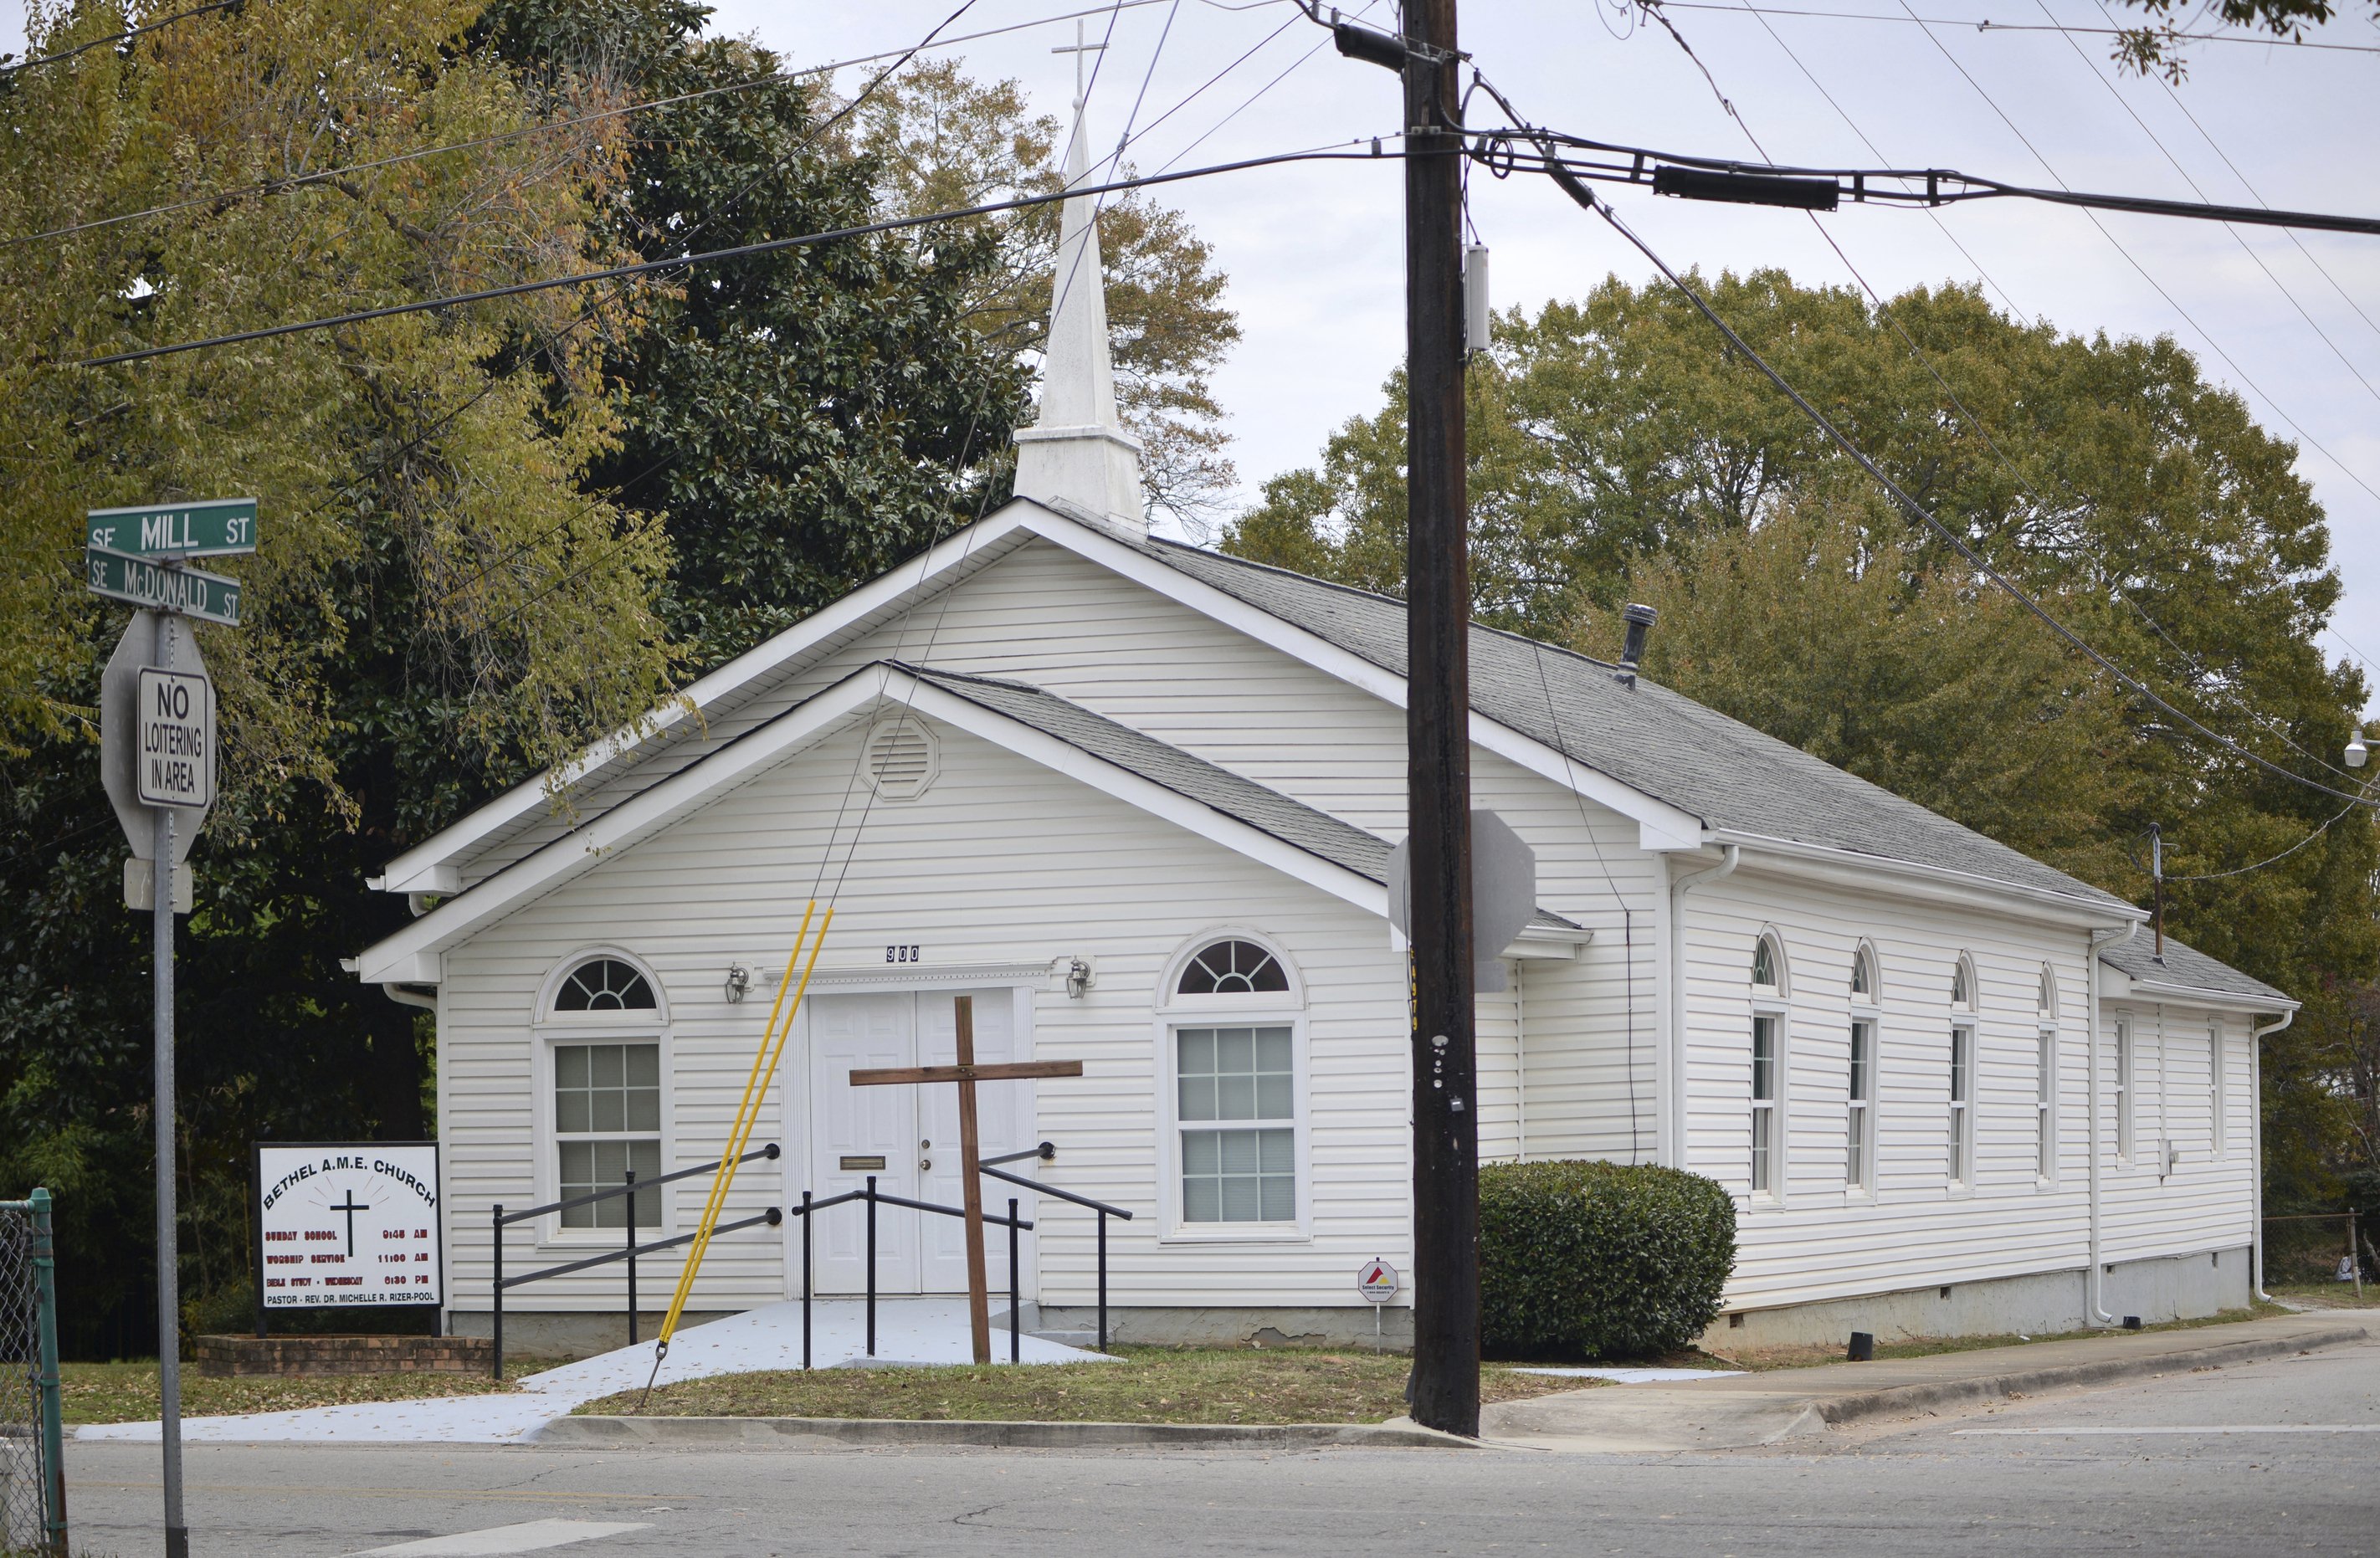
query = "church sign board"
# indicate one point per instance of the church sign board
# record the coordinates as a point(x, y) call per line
point(344, 1223)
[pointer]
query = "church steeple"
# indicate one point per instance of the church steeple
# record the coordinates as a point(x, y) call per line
point(1077, 458)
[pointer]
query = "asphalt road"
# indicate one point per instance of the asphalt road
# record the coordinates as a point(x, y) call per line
point(2189, 1464)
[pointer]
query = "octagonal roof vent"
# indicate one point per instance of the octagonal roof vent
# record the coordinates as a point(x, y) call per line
point(903, 758)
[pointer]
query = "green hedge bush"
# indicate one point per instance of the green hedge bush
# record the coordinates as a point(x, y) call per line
point(1599, 1260)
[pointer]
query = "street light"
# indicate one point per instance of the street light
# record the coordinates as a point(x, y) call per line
point(2357, 753)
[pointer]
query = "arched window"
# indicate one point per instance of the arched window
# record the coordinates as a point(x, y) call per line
point(2047, 1000)
point(605, 1095)
point(1767, 963)
point(1865, 988)
point(604, 985)
point(1962, 984)
point(1236, 1038)
point(1233, 968)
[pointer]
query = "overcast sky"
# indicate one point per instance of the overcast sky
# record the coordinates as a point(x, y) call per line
point(1313, 256)
point(1315, 267)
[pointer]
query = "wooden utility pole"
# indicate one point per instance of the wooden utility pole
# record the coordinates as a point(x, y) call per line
point(1438, 739)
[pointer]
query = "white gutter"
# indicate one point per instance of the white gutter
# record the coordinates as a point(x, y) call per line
point(2095, 1287)
point(1678, 888)
point(2256, 1036)
point(1854, 868)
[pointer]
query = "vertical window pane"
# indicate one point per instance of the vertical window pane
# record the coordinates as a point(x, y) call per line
point(1763, 1128)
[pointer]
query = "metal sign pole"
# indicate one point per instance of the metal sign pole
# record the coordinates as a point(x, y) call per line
point(169, 1295)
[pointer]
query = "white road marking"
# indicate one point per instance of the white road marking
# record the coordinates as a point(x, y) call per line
point(530, 1536)
point(2132, 1432)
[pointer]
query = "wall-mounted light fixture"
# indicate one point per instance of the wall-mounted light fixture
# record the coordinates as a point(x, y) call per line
point(739, 982)
point(1078, 978)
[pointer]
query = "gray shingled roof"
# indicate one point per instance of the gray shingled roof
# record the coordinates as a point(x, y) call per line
point(1244, 800)
point(1650, 739)
point(2185, 966)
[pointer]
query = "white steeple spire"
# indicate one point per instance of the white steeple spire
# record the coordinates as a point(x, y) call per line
point(1077, 458)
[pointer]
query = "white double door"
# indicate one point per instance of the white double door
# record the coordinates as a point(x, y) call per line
point(908, 1136)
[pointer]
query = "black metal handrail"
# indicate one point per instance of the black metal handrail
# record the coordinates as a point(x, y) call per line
point(1013, 1223)
point(1046, 1152)
point(874, 1197)
point(500, 1219)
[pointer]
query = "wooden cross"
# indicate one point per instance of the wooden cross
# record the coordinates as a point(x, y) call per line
point(966, 1074)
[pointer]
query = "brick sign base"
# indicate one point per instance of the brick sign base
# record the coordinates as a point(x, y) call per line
point(219, 1357)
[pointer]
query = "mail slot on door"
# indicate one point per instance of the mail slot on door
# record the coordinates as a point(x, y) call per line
point(876, 1163)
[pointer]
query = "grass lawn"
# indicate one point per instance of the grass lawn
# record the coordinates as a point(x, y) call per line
point(122, 1393)
point(1148, 1385)
point(1807, 1357)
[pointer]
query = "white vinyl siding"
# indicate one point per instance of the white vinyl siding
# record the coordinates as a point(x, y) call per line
point(999, 863)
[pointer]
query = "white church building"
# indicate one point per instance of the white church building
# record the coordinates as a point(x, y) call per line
point(1137, 800)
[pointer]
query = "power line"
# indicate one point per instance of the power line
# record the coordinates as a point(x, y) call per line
point(2174, 302)
point(2054, 26)
point(2156, 141)
point(779, 78)
point(1971, 420)
point(124, 37)
point(2256, 194)
point(739, 251)
point(1585, 198)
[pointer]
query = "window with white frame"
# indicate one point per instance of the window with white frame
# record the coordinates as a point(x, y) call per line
point(2218, 1088)
point(2124, 1090)
point(605, 1097)
point(1767, 1165)
point(1859, 1117)
point(1766, 1063)
point(1963, 1103)
point(1235, 1088)
point(1237, 1114)
point(1962, 984)
point(1860, 1138)
point(2044, 1106)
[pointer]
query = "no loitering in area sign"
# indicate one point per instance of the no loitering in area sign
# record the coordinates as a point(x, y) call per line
point(175, 715)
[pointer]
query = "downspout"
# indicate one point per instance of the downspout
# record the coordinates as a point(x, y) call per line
point(406, 995)
point(1521, 1053)
point(2257, 1033)
point(1678, 888)
point(2093, 1287)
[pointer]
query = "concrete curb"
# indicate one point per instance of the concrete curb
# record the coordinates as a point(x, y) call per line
point(1836, 1410)
point(604, 1433)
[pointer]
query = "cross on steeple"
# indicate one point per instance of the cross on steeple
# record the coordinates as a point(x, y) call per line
point(1078, 48)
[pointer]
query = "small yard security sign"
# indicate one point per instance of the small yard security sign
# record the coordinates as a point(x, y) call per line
point(175, 713)
point(349, 1223)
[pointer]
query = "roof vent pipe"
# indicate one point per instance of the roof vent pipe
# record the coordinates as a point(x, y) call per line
point(1640, 619)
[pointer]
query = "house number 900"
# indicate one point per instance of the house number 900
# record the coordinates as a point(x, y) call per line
point(899, 954)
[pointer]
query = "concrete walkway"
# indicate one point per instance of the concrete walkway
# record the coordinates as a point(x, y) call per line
point(1735, 1411)
point(907, 1331)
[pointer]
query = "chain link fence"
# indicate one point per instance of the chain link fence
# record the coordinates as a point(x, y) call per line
point(29, 1480)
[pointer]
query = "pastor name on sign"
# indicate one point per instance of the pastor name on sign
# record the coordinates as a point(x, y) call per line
point(175, 763)
point(342, 1224)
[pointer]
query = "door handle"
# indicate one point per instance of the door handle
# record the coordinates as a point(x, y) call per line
point(925, 1162)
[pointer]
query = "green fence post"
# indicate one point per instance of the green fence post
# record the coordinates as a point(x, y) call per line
point(53, 1463)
